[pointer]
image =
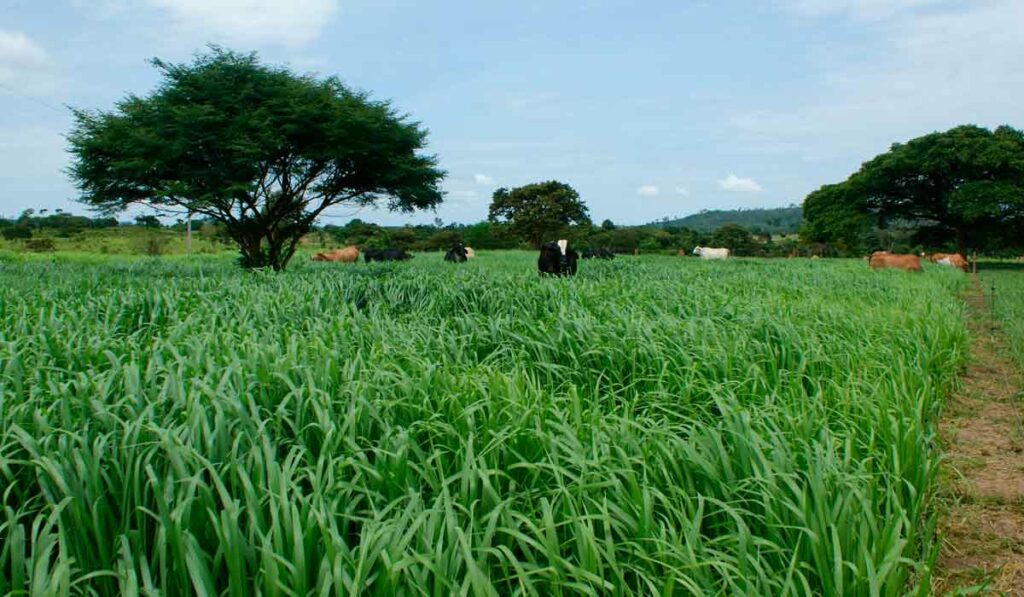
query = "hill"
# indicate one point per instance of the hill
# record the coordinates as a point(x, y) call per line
point(777, 220)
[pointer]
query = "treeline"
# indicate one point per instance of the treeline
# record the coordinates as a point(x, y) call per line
point(59, 223)
point(779, 220)
point(620, 239)
point(434, 237)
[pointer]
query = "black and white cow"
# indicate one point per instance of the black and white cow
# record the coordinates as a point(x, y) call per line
point(557, 259)
point(385, 255)
point(457, 254)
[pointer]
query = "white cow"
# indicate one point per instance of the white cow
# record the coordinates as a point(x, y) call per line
point(711, 253)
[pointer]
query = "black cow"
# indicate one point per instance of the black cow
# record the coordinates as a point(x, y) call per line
point(598, 254)
point(557, 259)
point(385, 255)
point(457, 254)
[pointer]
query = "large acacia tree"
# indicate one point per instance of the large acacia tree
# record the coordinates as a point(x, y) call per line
point(964, 183)
point(258, 148)
point(538, 212)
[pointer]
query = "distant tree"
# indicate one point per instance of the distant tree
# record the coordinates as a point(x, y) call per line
point(404, 238)
point(968, 181)
point(258, 148)
point(104, 222)
point(488, 235)
point(607, 225)
point(734, 237)
point(833, 215)
point(539, 212)
point(16, 232)
point(442, 239)
point(148, 221)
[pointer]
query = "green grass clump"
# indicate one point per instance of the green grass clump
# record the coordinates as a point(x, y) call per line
point(1003, 284)
point(653, 426)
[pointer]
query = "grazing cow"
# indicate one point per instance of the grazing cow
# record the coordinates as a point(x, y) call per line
point(470, 253)
point(348, 254)
point(457, 254)
point(598, 254)
point(385, 255)
point(885, 259)
point(712, 253)
point(949, 259)
point(557, 259)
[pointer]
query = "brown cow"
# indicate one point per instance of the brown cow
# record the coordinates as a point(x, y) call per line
point(951, 259)
point(885, 259)
point(349, 254)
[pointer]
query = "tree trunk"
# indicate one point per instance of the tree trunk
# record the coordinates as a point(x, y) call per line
point(251, 248)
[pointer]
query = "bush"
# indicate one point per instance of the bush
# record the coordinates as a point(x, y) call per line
point(17, 232)
point(40, 245)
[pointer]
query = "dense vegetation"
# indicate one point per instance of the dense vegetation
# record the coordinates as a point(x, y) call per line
point(1004, 286)
point(778, 220)
point(962, 188)
point(655, 425)
point(149, 236)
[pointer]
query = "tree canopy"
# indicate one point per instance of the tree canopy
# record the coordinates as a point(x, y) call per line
point(964, 183)
point(539, 212)
point(258, 148)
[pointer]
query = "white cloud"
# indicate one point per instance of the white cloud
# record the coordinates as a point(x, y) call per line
point(24, 65)
point(736, 184)
point(931, 66)
point(483, 179)
point(682, 191)
point(648, 190)
point(288, 22)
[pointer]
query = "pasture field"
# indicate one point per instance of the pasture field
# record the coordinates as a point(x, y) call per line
point(654, 426)
point(1004, 285)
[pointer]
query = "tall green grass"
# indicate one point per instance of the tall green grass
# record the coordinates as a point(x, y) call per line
point(1005, 292)
point(653, 426)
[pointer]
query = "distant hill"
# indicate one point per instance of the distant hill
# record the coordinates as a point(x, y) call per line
point(777, 220)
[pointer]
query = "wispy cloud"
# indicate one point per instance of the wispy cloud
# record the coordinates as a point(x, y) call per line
point(252, 22)
point(682, 191)
point(937, 65)
point(483, 179)
point(24, 65)
point(648, 190)
point(737, 184)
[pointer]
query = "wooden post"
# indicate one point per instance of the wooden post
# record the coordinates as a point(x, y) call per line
point(974, 262)
point(188, 234)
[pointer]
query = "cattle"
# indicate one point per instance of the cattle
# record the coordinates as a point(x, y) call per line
point(348, 254)
point(949, 259)
point(470, 253)
point(457, 254)
point(597, 254)
point(885, 259)
point(557, 259)
point(389, 254)
point(712, 253)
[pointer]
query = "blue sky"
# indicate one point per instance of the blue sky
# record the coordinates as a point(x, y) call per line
point(652, 109)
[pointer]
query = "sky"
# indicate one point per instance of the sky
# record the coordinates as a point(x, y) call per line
point(649, 109)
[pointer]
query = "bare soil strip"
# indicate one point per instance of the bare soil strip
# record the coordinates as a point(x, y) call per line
point(983, 486)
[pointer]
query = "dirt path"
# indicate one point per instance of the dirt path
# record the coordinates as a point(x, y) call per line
point(983, 486)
